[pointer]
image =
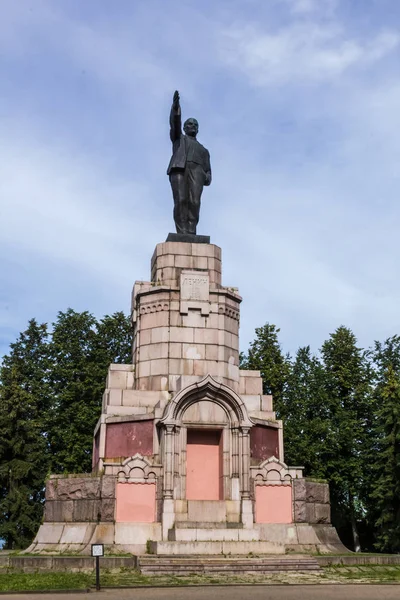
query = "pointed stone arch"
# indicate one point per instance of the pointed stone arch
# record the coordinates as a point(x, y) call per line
point(207, 389)
point(235, 440)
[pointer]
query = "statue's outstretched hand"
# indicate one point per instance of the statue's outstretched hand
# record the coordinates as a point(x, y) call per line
point(175, 102)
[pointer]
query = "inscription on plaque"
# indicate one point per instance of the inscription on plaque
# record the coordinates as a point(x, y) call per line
point(195, 286)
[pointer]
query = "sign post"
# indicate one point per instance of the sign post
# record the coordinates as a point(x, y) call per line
point(97, 551)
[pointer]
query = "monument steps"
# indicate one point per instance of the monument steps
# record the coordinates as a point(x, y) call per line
point(202, 534)
point(161, 565)
point(221, 547)
point(207, 525)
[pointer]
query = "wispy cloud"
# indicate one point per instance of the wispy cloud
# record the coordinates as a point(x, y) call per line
point(305, 7)
point(302, 52)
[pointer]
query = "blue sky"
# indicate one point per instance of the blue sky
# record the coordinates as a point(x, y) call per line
point(298, 102)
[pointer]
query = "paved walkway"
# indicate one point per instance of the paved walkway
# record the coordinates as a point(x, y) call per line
point(269, 592)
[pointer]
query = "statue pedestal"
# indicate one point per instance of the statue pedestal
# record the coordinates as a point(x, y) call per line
point(188, 238)
point(188, 453)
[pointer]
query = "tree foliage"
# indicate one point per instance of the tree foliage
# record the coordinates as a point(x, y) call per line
point(265, 355)
point(24, 459)
point(385, 493)
point(341, 412)
point(51, 388)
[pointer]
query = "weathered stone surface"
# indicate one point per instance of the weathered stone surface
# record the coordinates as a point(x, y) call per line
point(266, 402)
point(206, 510)
point(58, 511)
point(253, 385)
point(277, 532)
point(75, 488)
point(327, 534)
point(182, 548)
point(108, 487)
point(49, 533)
point(86, 510)
point(195, 286)
point(107, 509)
point(322, 513)
point(310, 512)
point(51, 489)
point(104, 534)
point(117, 379)
point(299, 489)
point(136, 533)
point(317, 492)
point(32, 564)
point(300, 511)
point(306, 535)
point(75, 533)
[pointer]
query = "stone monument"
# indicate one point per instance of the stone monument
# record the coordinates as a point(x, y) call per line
point(188, 456)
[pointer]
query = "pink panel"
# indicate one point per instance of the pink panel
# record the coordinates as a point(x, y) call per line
point(203, 465)
point(136, 503)
point(273, 504)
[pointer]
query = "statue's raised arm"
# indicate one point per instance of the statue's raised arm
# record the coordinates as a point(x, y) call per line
point(175, 120)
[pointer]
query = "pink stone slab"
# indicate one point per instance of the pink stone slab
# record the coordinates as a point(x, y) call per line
point(203, 470)
point(273, 504)
point(136, 503)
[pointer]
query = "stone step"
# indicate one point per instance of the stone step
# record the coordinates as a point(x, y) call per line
point(228, 566)
point(183, 548)
point(207, 525)
point(214, 535)
point(272, 559)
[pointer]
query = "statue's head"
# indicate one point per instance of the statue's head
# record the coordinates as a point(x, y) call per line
point(191, 127)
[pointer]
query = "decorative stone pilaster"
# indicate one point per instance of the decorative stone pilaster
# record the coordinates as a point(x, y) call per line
point(235, 451)
point(169, 461)
point(246, 503)
point(244, 443)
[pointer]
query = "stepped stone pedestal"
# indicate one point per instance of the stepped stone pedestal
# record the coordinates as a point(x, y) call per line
point(188, 456)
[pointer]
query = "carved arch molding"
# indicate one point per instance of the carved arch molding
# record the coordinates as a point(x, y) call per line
point(235, 438)
point(207, 389)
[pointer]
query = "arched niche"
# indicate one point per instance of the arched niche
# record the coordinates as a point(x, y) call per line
point(213, 405)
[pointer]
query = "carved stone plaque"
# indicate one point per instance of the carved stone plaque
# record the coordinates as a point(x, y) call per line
point(195, 286)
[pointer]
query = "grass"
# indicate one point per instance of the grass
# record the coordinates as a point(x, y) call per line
point(15, 582)
point(372, 573)
point(128, 577)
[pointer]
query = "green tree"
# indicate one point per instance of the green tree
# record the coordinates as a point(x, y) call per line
point(348, 392)
point(24, 457)
point(306, 415)
point(81, 350)
point(385, 494)
point(265, 355)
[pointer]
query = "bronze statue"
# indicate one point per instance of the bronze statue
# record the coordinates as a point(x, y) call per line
point(189, 170)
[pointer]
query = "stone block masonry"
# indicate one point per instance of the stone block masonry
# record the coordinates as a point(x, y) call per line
point(80, 499)
point(185, 322)
point(187, 452)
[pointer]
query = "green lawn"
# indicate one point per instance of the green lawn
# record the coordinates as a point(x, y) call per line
point(376, 573)
point(126, 577)
point(14, 582)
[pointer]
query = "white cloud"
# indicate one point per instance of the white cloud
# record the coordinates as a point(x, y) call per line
point(305, 7)
point(301, 52)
